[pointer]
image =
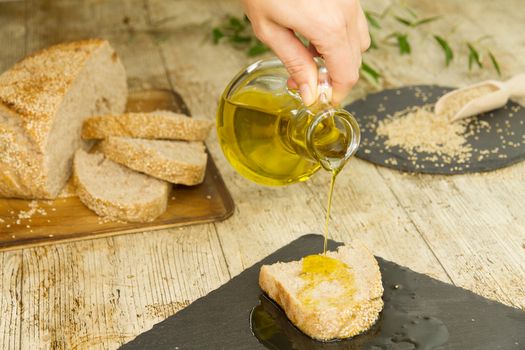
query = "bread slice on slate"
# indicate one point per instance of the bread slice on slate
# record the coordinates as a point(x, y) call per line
point(178, 162)
point(328, 300)
point(44, 99)
point(153, 125)
point(114, 191)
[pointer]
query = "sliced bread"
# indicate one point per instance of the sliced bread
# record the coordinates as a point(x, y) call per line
point(328, 297)
point(44, 99)
point(112, 190)
point(178, 162)
point(153, 125)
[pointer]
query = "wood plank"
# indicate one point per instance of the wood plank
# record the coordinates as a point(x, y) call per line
point(141, 58)
point(11, 306)
point(165, 269)
point(189, 13)
point(12, 33)
point(51, 22)
point(101, 293)
point(12, 37)
point(474, 224)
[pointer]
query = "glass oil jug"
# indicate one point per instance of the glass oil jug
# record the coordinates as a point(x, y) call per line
point(271, 137)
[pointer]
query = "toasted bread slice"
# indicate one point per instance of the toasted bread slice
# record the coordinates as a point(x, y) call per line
point(112, 190)
point(328, 297)
point(154, 125)
point(178, 162)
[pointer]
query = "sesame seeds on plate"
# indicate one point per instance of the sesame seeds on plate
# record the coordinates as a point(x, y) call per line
point(400, 130)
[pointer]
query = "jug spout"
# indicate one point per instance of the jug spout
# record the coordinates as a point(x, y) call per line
point(329, 136)
point(333, 138)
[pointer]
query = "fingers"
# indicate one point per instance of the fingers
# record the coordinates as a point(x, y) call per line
point(362, 30)
point(343, 57)
point(343, 65)
point(340, 42)
point(337, 31)
point(295, 57)
point(292, 84)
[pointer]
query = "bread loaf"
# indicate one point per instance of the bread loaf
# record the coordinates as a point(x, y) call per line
point(44, 100)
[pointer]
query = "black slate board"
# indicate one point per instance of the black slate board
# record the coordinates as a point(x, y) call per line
point(221, 319)
point(506, 133)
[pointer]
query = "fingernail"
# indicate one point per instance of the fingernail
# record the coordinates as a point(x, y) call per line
point(306, 94)
point(292, 84)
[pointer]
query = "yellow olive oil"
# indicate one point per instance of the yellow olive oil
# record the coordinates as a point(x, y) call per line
point(264, 138)
point(319, 269)
point(328, 209)
point(250, 129)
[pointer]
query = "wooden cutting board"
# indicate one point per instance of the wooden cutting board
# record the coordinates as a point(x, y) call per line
point(25, 223)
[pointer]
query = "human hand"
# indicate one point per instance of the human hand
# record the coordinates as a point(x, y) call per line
point(336, 29)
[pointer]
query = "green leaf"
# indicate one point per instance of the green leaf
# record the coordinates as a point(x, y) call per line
point(402, 42)
point(411, 11)
point(414, 24)
point(236, 24)
point(240, 39)
point(257, 49)
point(449, 54)
point(217, 35)
point(495, 63)
point(373, 42)
point(372, 20)
point(404, 21)
point(425, 21)
point(370, 71)
point(473, 57)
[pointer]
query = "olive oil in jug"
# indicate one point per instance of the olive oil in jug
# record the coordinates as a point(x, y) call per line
point(270, 137)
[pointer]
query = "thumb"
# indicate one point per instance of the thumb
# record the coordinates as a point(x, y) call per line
point(296, 58)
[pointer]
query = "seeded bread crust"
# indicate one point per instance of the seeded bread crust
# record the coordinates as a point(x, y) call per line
point(42, 99)
point(340, 321)
point(137, 156)
point(154, 125)
point(105, 207)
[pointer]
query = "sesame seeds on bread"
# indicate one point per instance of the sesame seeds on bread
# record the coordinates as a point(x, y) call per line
point(178, 162)
point(328, 297)
point(153, 125)
point(114, 191)
point(44, 100)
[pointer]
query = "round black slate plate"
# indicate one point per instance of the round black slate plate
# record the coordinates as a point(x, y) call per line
point(496, 147)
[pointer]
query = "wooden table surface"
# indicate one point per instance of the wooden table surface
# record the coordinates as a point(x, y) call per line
point(466, 230)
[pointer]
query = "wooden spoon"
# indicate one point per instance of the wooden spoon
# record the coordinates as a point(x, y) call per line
point(479, 98)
